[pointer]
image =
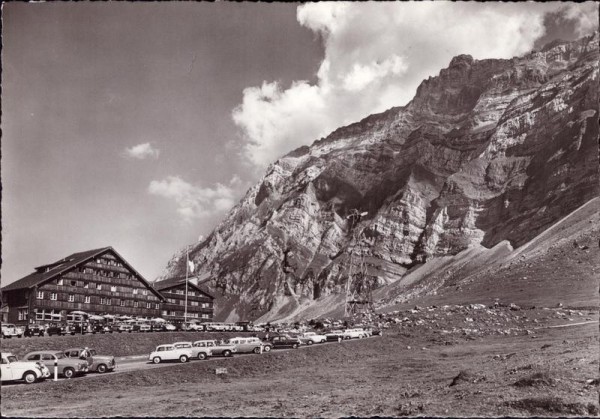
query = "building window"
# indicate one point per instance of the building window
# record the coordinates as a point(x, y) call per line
point(71, 298)
point(22, 314)
point(113, 288)
point(73, 283)
point(122, 303)
point(157, 306)
point(102, 300)
point(135, 304)
point(98, 286)
point(40, 295)
point(59, 281)
point(194, 303)
point(148, 305)
point(86, 285)
point(205, 305)
point(164, 312)
point(135, 291)
point(53, 296)
point(108, 302)
point(145, 292)
point(87, 299)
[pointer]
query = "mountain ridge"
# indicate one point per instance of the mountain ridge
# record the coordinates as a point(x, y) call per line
point(487, 151)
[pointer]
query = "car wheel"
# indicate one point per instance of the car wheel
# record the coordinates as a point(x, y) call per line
point(68, 372)
point(201, 355)
point(347, 337)
point(29, 377)
point(183, 359)
point(295, 346)
point(156, 360)
point(310, 342)
point(256, 350)
point(101, 368)
point(226, 352)
point(267, 348)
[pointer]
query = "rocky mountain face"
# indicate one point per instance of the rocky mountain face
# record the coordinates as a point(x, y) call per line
point(487, 151)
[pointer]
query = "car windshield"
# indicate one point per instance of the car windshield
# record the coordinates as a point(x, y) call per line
point(92, 352)
point(12, 359)
point(59, 355)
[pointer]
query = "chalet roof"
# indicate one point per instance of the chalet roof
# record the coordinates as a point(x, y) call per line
point(173, 282)
point(49, 271)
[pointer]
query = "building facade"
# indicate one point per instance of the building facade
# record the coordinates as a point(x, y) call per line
point(199, 301)
point(96, 282)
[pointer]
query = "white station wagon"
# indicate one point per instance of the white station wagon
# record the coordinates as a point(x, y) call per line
point(170, 353)
point(309, 338)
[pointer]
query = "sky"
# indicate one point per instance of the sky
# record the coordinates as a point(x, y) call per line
point(139, 125)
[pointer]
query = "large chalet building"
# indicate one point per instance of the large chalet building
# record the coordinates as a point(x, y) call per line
point(199, 301)
point(97, 282)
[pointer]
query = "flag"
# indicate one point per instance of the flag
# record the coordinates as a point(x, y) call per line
point(191, 266)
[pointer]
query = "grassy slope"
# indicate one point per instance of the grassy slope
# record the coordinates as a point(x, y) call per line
point(401, 373)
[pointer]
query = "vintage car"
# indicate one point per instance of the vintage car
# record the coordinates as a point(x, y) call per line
point(145, 328)
point(197, 351)
point(96, 363)
point(193, 327)
point(57, 329)
point(12, 369)
point(34, 330)
point(77, 328)
point(354, 334)
point(250, 344)
point(309, 338)
point(168, 327)
point(170, 353)
point(216, 348)
point(67, 367)
point(334, 336)
point(124, 327)
point(9, 330)
point(285, 341)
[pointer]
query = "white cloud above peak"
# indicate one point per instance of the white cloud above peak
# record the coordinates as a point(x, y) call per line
point(376, 54)
point(194, 201)
point(141, 152)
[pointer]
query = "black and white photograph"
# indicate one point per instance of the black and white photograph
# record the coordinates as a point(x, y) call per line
point(289, 210)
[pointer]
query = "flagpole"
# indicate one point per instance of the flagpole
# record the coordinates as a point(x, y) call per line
point(187, 267)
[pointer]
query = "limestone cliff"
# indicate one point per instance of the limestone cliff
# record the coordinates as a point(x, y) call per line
point(487, 151)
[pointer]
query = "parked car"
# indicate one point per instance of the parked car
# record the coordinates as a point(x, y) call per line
point(170, 353)
point(168, 327)
point(193, 327)
point(309, 338)
point(67, 367)
point(285, 341)
point(12, 369)
point(9, 330)
point(334, 336)
point(216, 348)
point(124, 327)
point(57, 329)
point(376, 332)
point(34, 330)
point(96, 363)
point(145, 328)
point(79, 328)
point(354, 334)
point(197, 351)
point(250, 344)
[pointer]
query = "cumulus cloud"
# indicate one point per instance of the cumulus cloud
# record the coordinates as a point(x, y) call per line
point(195, 201)
point(376, 54)
point(141, 152)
